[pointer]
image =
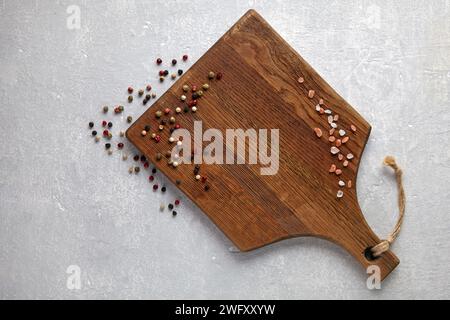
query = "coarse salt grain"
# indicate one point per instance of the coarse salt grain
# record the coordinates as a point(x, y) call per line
point(340, 194)
point(301, 80)
point(332, 168)
point(350, 156)
point(341, 183)
point(330, 119)
point(311, 94)
point(349, 184)
point(318, 108)
point(345, 163)
point(353, 128)
point(333, 125)
point(332, 139)
point(334, 150)
point(342, 132)
point(318, 132)
point(338, 172)
point(328, 111)
point(345, 139)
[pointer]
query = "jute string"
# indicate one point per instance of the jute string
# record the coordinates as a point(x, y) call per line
point(384, 245)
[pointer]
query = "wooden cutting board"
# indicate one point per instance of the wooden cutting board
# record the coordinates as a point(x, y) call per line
point(260, 88)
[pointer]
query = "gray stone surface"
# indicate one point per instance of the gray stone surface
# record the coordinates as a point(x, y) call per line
point(64, 202)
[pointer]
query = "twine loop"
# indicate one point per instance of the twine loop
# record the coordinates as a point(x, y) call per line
point(385, 244)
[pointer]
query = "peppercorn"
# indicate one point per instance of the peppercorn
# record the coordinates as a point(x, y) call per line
point(177, 202)
point(192, 103)
point(143, 133)
point(204, 179)
point(104, 123)
point(143, 158)
point(219, 76)
point(130, 99)
point(195, 95)
point(163, 189)
point(166, 72)
point(186, 109)
point(149, 87)
point(148, 96)
point(178, 181)
point(185, 88)
point(153, 95)
point(91, 124)
point(136, 157)
point(110, 124)
point(200, 93)
point(137, 169)
point(107, 145)
point(177, 109)
point(158, 114)
point(180, 72)
point(151, 178)
point(141, 93)
point(144, 102)
point(120, 145)
point(155, 187)
point(146, 165)
point(130, 90)
point(173, 76)
point(161, 73)
point(177, 126)
point(211, 75)
point(121, 108)
point(122, 133)
point(105, 109)
point(194, 109)
point(147, 127)
point(97, 139)
point(197, 177)
point(194, 88)
point(94, 133)
point(157, 138)
point(153, 135)
point(185, 57)
point(158, 156)
point(154, 170)
point(109, 135)
point(105, 133)
point(129, 119)
point(174, 62)
point(161, 128)
point(174, 213)
point(205, 86)
point(170, 206)
point(172, 120)
point(158, 61)
point(183, 97)
point(206, 187)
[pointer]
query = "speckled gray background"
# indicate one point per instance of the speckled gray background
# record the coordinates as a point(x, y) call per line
point(64, 202)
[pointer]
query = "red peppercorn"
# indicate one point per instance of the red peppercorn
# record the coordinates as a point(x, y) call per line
point(161, 73)
point(117, 110)
point(149, 87)
point(204, 179)
point(155, 187)
point(192, 103)
point(194, 88)
point(104, 123)
point(158, 138)
point(146, 165)
point(219, 75)
point(159, 61)
point(166, 110)
point(130, 90)
point(120, 145)
point(177, 126)
point(105, 133)
point(151, 178)
point(177, 202)
point(174, 62)
point(185, 57)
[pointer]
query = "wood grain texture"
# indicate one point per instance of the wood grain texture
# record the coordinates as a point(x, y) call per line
point(259, 89)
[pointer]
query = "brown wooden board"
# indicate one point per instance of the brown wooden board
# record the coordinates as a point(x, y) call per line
point(260, 89)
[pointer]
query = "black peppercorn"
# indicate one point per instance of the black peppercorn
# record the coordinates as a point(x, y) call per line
point(206, 187)
point(174, 213)
point(166, 72)
point(163, 189)
point(154, 170)
point(143, 158)
point(170, 206)
point(148, 96)
point(174, 62)
point(107, 145)
point(94, 133)
point(136, 158)
point(144, 102)
point(186, 109)
point(178, 181)
point(172, 130)
point(195, 95)
point(147, 128)
point(180, 72)
point(110, 124)
point(91, 124)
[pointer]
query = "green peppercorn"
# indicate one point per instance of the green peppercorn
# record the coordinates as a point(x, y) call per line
point(205, 86)
point(141, 93)
point(200, 93)
point(121, 108)
point(158, 156)
point(211, 75)
point(130, 99)
point(186, 109)
point(161, 79)
point(185, 88)
point(105, 109)
point(158, 114)
point(137, 169)
point(147, 127)
point(129, 119)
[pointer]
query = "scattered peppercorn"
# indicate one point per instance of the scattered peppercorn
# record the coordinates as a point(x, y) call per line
point(174, 213)
point(130, 99)
point(110, 124)
point(219, 76)
point(149, 87)
point(105, 109)
point(154, 170)
point(185, 88)
point(173, 76)
point(163, 189)
point(137, 169)
point(170, 206)
point(104, 123)
point(158, 61)
point(151, 178)
point(140, 92)
point(166, 72)
point(91, 124)
point(120, 145)
point(130, 90)
point(136, 158)
point(177, 202)
point(129, 119)
point(180, 72)
point(94, 133)
point(205, 86)
point(147, 127)
point(155, 187)
point(185, 57)
point(174, 62)
point(107, 145)
point(143, 158)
